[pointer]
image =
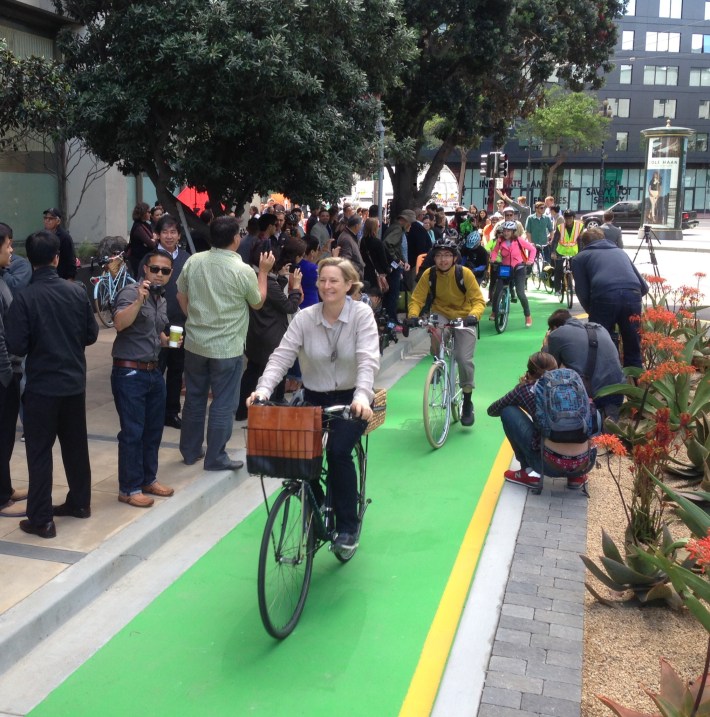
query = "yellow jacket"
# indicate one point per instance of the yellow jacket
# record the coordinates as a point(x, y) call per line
point(449, 301)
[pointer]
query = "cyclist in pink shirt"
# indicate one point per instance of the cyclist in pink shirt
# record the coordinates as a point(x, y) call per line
point(517, 253)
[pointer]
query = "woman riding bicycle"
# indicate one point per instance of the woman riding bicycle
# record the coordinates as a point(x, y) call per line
point(337, 345)
point(515, 252)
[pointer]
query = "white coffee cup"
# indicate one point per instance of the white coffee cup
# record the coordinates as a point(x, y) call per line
point(175, 336)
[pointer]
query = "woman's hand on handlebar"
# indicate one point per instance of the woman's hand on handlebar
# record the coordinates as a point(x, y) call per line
point(360, 410)
point(255, 398)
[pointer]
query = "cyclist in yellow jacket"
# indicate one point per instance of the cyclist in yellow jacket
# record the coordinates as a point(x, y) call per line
point(564, 243)
point(454, 294)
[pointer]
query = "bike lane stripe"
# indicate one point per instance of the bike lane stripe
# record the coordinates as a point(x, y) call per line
point(432, 662)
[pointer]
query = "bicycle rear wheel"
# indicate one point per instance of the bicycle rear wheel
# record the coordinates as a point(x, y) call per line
point(102, 302)
point(569, 289)
point(360, 461)
point(503, 311)
point(285, 563)
point(437, 410)
point(537, 278)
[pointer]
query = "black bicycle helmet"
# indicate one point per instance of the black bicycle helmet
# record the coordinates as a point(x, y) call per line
point(451, 234)
point(446, 244)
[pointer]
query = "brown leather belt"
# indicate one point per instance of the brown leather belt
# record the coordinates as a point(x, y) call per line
point(140, 365)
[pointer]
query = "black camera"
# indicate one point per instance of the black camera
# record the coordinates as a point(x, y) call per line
point(156, 289)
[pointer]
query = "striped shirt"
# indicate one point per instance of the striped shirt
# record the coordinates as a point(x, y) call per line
point(219, 286)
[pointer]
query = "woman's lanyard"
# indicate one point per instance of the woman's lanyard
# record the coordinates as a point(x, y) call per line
point(333, 345)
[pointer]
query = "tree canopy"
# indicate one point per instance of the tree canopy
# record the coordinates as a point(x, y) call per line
point(234, 96)
point(482, 63)
point(571, 120)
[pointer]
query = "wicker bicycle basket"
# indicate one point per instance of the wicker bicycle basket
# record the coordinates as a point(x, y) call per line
point(379, 410)
point(284, 441)
point(114, 265)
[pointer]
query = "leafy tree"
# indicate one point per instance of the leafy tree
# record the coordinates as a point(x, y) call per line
point(571, 120)
point(233, 96)
point(482, 63)
point(33, 93)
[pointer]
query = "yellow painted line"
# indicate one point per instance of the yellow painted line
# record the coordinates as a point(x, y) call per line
point(424, 686)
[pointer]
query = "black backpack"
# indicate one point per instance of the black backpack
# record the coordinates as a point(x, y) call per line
point(458, 271)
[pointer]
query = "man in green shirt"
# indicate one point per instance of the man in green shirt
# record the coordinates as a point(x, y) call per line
point(538, 229)
point(215, 290)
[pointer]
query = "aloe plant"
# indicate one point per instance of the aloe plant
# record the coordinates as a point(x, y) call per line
point(676, 698)
point(641, 581)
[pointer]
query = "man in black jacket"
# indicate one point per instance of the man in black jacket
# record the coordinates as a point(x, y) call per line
point(51, 322)
point(66, 268)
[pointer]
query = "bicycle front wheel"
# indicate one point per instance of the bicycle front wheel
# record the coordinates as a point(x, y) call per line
point(456, 396)
point(537, 278)
point(102, 302)
point(437, 410)
point(569, 290)
point(360, 461)
point(503, 310)
point(285, 563)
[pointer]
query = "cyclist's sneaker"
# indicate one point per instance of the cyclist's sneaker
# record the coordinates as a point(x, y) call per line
point(492, 317)
point(467, 414)
point(513, 298)
point(522, 477)
point(528, 322)
point(345, 543)
point(578, 482)
point(558, 293)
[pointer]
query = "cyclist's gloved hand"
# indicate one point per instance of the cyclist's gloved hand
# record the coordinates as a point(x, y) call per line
point(412, 321)
point(470, 321)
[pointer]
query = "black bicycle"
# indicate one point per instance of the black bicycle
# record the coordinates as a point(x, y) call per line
point(567, 286)
point(301, 519)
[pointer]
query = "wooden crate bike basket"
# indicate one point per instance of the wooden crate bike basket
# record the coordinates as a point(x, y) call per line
point(284, 441)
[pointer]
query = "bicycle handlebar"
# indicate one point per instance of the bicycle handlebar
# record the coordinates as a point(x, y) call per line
point(342, 409)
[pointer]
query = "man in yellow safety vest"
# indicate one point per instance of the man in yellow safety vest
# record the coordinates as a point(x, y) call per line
point(564, 244)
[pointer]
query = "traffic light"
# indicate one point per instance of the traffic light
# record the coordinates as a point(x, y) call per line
point(491, 165)
point(502, 165)
point(484, 165)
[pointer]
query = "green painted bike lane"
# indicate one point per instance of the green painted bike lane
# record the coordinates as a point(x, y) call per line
point(200, 647)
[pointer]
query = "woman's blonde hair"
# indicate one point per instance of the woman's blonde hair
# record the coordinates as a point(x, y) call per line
point(538, 363)
point(348, 271)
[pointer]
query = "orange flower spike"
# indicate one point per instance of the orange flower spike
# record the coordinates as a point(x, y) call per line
point(700, 551)
point(612, 443)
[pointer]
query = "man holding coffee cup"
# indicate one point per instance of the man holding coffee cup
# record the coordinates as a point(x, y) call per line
point(140, 319)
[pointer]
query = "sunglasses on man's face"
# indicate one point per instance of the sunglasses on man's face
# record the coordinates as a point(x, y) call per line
point(164, 270)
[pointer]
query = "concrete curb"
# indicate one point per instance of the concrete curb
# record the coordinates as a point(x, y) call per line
point(32, 620)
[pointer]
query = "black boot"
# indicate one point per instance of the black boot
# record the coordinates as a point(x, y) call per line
point(467, 414)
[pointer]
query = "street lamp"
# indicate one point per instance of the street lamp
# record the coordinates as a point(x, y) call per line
point(604, 112)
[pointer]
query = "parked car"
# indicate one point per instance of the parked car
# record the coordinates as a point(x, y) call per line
point(627, 215)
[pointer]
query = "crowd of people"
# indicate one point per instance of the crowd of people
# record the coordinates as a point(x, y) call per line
point(283, 303)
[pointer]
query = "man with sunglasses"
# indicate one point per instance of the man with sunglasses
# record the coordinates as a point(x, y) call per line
point(140, 318)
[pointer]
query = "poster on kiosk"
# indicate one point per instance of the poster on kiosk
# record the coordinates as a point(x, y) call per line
point(663, 201)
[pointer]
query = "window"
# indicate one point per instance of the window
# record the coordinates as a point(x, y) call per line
point(619, 107)
point(622, 141)
point(699, 77)
point(631, 8)
point(698, 143)
point(671, 8)
point(664, 108)
point(704, 109)
point(627, 40)
point(660, 75)
point(700, 43)
point(625, 74)
point(663, 41)
point(707, 9)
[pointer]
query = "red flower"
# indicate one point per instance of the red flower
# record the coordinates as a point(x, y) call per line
point(611, 443)
point(700, 275)
point(667, 368)
point(700, 551)
point(653, 279)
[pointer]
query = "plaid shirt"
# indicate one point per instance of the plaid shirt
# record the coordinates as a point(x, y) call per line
point(523, 396)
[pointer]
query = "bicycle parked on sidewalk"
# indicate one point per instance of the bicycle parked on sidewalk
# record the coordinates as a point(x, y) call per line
point(443, 396)
point(114, 276)
point(301, 519)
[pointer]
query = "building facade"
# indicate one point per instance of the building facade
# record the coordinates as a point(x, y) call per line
point(662, 72)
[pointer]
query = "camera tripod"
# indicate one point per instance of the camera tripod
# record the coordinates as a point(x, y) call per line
point(647, 240)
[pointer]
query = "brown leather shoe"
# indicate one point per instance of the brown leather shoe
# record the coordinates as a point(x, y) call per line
point(18, 495)
point(156, 488)
point(138, 500)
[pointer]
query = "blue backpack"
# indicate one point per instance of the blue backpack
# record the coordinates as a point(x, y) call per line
point(564, 412)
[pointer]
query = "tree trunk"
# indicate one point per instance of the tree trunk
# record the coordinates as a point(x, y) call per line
point(561, 158)
point(462, 173)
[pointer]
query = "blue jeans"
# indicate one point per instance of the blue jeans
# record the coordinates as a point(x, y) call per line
point(614, 309)
point(140, 402)
point(223, 377)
